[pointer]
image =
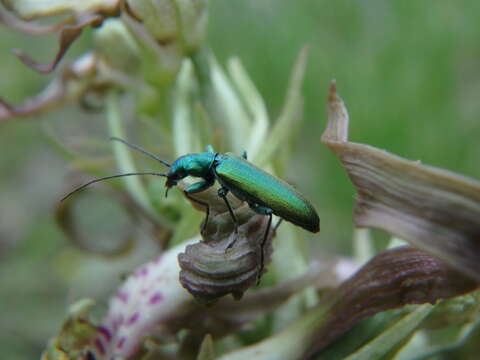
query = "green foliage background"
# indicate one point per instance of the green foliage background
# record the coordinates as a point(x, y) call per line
point(408, 71)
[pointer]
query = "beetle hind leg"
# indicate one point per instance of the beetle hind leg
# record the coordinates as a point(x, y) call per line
point(262, 248)
point(263, 210)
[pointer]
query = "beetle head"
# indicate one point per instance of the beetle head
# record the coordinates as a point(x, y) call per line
point(176, 173)
point(197, 165)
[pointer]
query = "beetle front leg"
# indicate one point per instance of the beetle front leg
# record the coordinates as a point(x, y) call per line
point(196, 188)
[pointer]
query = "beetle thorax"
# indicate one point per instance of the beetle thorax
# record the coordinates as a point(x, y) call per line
point(199, 165)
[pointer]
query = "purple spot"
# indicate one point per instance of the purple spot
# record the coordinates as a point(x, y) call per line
point(117, 322)
point(133, 319)
point(123, 296)
point(155, 298)
point(120, 342)
point(105, 332)
point(144, 271)
point(100, 347)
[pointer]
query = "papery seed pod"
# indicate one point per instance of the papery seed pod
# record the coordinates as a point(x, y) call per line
point(226, 262)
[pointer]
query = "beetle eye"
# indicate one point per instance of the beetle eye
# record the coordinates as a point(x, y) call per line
point(181, 174)
point(170, 182)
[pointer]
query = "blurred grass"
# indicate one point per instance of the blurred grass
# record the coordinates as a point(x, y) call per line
point(408, 72)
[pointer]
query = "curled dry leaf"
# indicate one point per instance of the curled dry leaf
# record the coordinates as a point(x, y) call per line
point(78, 15)
point(68, 34)
point(226, 262)
point(34, 9)
point(392, 279)
point(87, 78)
point(73, 82)
point(55, 94)
point(49, 98)
point(434, 209)
point(29, 27)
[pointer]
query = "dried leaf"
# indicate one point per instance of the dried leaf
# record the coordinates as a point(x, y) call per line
point(53, 95)
point(34, 9)
point(72, 83)
point(30, 28)
point(392, 279)
point(434, 209)
point(68, 34)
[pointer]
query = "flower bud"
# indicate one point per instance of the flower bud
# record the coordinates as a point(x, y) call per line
point(116, 47)
point(183, 22)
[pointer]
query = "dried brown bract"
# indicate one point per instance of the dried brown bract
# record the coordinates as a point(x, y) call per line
point(225, 262)
point(434, 209)
point(392, 279)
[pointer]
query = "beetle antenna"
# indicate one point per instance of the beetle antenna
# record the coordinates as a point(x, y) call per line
point(107, 178)
point(135, 147)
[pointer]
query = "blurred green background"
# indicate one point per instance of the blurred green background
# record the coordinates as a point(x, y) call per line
point(407, 70)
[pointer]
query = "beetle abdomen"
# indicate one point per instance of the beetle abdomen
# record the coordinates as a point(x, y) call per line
point(252, 184)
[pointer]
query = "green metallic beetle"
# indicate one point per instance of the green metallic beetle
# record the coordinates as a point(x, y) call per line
point(264, 193)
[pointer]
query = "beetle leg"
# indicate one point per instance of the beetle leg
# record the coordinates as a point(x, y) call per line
point(262, 252)
point(196, 188)
point(199, 186)
point(277, 224)
point(244, 154)
point(222, 192)
point(207, 211)
point(263, 210)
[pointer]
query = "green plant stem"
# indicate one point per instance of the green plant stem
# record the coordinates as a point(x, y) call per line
point(124, 159)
